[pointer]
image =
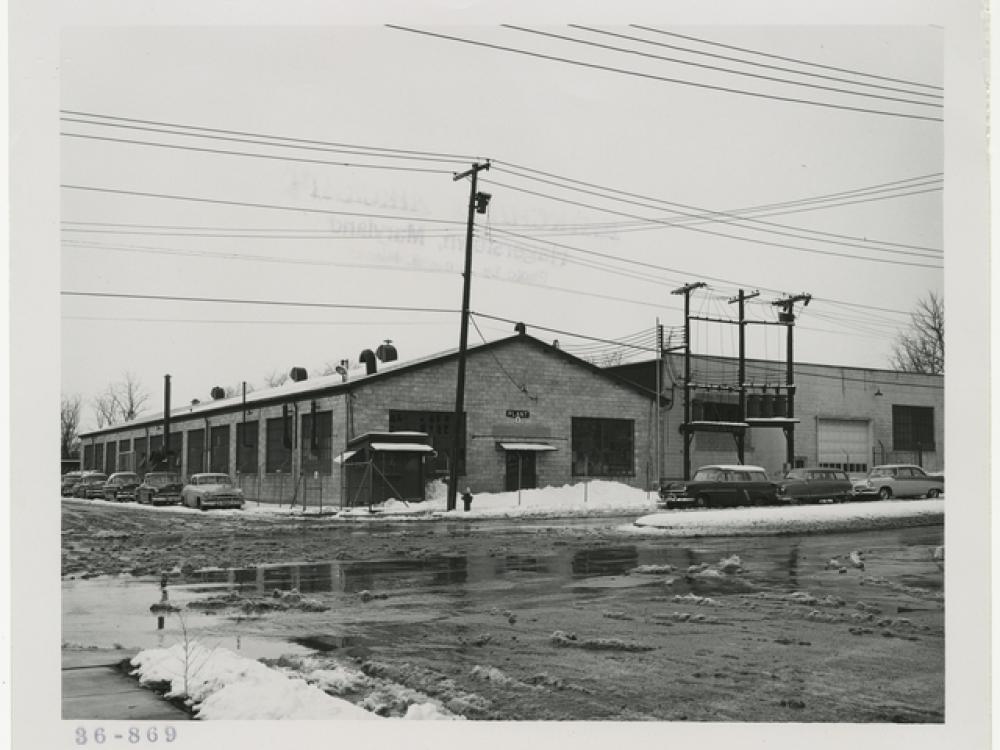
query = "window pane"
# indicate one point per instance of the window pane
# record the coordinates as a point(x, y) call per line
point(438, 426)
point(912, 427)
point(316, 441)
point(603, 447)
point(278, 456)
point(246, 447)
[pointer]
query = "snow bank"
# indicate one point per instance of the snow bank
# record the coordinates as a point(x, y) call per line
point(796, 518)
point(570, 499)
point(222, 685)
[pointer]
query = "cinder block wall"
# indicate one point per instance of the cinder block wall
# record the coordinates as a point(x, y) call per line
point(517, 375)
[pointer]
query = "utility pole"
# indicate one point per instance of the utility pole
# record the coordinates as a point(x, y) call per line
point(686, 291)
point(477, 203)
point(741, 298)
point(659, 391)
point(787, 317)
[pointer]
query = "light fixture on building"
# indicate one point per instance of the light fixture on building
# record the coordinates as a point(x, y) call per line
point(878, 391)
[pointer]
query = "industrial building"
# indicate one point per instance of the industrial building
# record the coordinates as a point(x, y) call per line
point(534, 416)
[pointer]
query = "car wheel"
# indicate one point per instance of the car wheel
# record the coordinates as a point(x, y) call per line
point(884, 493)
point(701, 501)
point(933, 493)
point(198, 504)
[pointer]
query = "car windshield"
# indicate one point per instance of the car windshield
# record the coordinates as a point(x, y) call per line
point(93, 479)
point(214, 479)
point(795, 474)
point(160, 480)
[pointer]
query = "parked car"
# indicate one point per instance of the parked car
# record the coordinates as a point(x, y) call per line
point(721, 486)
point(899, 480)
point(91, 485)
point(160, 488)
point(120, 486)
point(815, 485)
point(67, 481)
point(204, 491)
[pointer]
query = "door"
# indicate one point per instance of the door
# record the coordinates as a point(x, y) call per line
point(520, 473)
point(843, 443)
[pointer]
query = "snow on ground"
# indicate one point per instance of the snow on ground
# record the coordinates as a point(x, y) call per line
point(220, 684)
point(602, 497)
point(796, 518)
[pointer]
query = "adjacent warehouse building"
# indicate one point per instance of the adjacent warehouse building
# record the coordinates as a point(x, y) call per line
point(535, 416)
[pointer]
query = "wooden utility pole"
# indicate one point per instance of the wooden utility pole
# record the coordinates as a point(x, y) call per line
point(686, 291)
point(477, 202)
point(741, 298)
point(787, 317)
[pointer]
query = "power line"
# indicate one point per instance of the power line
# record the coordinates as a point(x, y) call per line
point(715, 233)
point(735, 220)
point(253, 321)
point(219, 201)
point(663, 79)
point(707, 215)
point(557, 330)
point(273, 303)
point(430, 155)
point(705, 66)
point(271, 157)
point(786, 59)
point(744, 61)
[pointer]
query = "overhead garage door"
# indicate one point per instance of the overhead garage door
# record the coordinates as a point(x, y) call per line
point(844, 444)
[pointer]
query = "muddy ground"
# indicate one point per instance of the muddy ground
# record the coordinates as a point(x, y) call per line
point(547, 620)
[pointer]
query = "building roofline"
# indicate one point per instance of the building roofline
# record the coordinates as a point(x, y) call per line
point(328, 385)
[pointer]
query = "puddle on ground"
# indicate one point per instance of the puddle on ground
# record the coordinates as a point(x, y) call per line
point(115, 611)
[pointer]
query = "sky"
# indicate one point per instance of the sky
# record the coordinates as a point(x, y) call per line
point(612, 183)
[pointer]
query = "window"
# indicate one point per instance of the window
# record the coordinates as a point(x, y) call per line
point(439, 428)
point(246, 447)
point(140, 454)
point(99, 456)
point(603, 447)
point(317, 442)
point(912, 428)
point(196, 452)
point(278, 447)
point(218, 456)
point(88, 457)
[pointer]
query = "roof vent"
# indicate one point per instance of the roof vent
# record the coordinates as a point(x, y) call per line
point(195, 402)
point(520, 328)
point(386, 352)
point(298, 374)
point(342, 369)
point(370, 362)
point(218, 392)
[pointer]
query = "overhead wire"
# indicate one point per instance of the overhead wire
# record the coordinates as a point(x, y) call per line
point(744, 61)
point(662, 79)
point(705, 66)
point(786, 59)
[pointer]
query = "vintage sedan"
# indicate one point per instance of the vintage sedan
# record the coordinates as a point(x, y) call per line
point(91, 485)
point(814, 486)
point(120, 486)
point(720, 486)
point(68, 481)
point(899, 480)
point(205, 491)
point(159, 488)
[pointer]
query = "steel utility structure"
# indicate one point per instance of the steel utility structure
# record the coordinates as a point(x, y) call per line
point(753, 410)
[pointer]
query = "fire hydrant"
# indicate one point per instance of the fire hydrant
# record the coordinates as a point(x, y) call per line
point(467, 499)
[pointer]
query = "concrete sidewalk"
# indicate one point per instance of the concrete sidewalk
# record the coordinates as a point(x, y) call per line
point(94, 688)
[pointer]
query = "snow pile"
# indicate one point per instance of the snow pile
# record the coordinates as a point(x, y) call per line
point(222, 685)
point(570, 499)
point(795, 518)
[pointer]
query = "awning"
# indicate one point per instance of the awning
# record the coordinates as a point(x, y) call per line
point(527, 446)
point(343, 457)
point(402, 447)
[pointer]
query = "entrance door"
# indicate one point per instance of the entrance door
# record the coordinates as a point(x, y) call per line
point(520, 473)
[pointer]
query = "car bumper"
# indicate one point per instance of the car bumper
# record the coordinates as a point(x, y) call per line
point(670, 502)
point(222, 502)
point(167, 499)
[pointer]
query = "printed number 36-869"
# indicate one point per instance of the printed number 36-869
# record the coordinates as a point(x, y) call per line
point(134, 735)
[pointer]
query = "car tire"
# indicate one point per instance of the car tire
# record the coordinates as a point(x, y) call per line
point(933, 493)
point(701, 501)
point(198, 505)
point(884, 493)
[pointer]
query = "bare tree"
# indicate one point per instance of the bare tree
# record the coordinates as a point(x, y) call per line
point(274, 378)
point(70, 423)
point(120, 402)
point(237, 390)
point(920, 348)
